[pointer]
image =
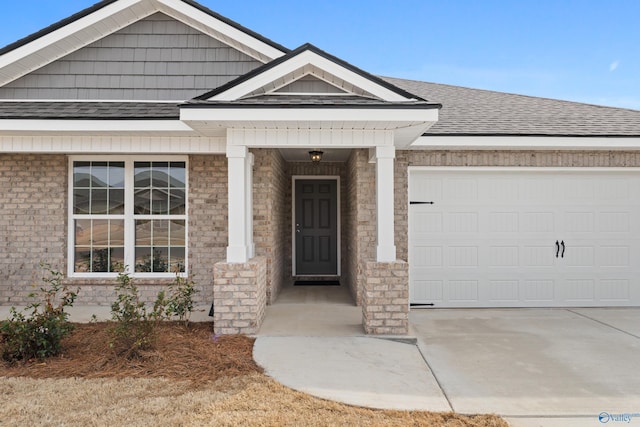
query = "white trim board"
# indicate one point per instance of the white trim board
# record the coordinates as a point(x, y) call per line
point(525, 143)
point(83, 144)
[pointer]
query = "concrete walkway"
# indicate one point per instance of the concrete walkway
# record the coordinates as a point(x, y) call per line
point(535, 367)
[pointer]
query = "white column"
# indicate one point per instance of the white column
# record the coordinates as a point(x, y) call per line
point(386, 250)
point(240, 232)
point(251, 247)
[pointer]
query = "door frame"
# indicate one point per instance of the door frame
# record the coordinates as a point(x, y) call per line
point(295, 178)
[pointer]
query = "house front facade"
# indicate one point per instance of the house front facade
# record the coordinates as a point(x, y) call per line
point(158, 137)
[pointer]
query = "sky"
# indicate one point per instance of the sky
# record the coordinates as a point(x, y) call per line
point(577, 50)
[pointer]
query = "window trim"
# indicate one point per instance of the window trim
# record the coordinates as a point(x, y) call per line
point(129, 216)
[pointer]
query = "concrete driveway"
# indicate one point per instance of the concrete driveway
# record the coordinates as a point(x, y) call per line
point(536, 366)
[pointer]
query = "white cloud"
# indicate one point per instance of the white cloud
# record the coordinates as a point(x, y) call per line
point(614, 65)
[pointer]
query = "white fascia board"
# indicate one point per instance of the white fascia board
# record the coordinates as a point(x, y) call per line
point(68, 32)
point(177, 9)
point(368, 115)
point(93, 126)
point(526, 143)
point(300, 61)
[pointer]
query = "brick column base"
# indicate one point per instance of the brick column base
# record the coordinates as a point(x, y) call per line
point(239, 296)
point(385, 302)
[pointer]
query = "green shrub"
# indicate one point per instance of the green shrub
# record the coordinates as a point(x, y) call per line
point(180, 302)
point(39, 334)
point(135, 323)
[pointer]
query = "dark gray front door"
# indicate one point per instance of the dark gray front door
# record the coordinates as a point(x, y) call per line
point(316, 227)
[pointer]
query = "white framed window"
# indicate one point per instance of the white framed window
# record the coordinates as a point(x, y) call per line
point(127, 214)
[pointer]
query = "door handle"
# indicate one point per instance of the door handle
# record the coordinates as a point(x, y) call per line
point(557, 248)
point(563, 248)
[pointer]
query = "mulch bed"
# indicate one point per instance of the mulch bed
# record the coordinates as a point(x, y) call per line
point(190, 353)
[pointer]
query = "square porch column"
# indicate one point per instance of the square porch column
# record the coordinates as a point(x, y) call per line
point(386, 249)
point(240, 183)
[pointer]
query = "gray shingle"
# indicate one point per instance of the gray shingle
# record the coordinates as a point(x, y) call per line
point(481, 112)
point(89, 110)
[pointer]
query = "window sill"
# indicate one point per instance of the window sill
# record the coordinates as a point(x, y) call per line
point(111, 281)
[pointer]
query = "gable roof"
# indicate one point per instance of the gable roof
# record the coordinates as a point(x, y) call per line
point(307, 59)
point(108, 16)
point(476, 112)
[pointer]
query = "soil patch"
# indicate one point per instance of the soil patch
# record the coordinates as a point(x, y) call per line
point(193, 354)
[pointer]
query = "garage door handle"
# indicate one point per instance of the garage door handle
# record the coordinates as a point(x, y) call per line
point(420, 203)
point(557, 248)
point(563, 248)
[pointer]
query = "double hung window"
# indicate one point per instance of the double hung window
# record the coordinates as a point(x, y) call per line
point(127, 214)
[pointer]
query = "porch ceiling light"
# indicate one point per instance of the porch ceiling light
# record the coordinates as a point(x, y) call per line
point(316, 156)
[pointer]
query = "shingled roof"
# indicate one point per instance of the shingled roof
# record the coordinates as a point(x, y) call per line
point(478, 112)
point(465, 111)
point(76, 110)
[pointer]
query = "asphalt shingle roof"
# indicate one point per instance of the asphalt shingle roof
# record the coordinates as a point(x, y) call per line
point(481, 112)
point(89, 110)
point(465, 111)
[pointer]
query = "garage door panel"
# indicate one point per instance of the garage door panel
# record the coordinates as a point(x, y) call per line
point(489, 239)
point(613, 222)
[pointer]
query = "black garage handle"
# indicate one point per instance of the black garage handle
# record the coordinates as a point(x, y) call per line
point(563, 248)
point(557, 248)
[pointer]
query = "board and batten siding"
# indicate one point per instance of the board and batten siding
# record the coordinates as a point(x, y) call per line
point(157, 58)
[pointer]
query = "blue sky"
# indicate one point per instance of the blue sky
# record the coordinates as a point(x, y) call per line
point(579, 50)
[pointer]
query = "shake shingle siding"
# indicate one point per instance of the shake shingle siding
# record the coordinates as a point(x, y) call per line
point(157, 58)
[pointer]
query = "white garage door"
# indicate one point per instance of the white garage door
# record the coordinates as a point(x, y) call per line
point(524, 238)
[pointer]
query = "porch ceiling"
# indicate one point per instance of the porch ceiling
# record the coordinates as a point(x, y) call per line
point(302, 154)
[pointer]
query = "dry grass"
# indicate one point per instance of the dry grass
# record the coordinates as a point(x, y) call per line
point(193, 378)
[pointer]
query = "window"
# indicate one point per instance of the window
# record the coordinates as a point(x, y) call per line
point(128, 214)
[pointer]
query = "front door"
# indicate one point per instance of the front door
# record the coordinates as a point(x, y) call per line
point(316, 227)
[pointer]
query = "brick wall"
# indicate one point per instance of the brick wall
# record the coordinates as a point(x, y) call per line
point(385, 308)
point(362, 230)
point(33, 221)
point(269, 213)
point(208, 218)
point(240, 296)
point(33, 227)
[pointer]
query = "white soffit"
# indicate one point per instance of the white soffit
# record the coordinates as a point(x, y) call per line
point(112, 18)
point(308, 62)
point(525, 143)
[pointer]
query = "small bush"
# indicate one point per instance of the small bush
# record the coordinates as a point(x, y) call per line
point(39, 334)
point(135, 324)
point(180, 302)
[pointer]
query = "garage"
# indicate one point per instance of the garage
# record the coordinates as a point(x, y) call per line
point(524, 237)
